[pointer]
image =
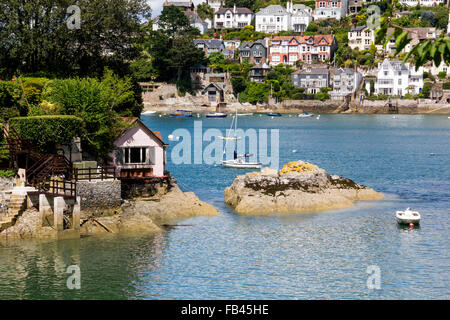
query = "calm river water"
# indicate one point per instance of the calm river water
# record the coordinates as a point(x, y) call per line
point(307, 256)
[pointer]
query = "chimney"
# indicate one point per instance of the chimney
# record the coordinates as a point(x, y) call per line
point(234, 9)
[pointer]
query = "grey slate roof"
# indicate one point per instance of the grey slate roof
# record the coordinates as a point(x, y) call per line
point(313, 71)
point(360, 28)
point(210, 43)
point(273, 9)
point(238, 10)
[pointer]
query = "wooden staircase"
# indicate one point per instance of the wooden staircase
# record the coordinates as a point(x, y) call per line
point(16, 206)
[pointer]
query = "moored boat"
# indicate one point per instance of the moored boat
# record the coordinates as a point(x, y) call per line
point(305, 115)
point(273, 114)
point(148, 112)
point(408, 216)
point(181, 115)
point(216, 115)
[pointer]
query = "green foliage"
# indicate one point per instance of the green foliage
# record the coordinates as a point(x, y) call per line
point(436, 50)
point(257, 92)
point(32, 88)
point(48, 131)
point(142, 69)
point(172, 49)
point(205, 11)
point(427, 89)
point(442, 75)
point(239, 84)
point(40, 40)
point(7, 174)
point(98, 103)
point(11, 102)
point(446, 86)
point(322, 96)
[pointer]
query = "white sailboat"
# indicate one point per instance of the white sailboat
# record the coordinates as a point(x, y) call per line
point(239, 161)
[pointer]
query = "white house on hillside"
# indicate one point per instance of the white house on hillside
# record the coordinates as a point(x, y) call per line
point(361, 37)
point(398, 79)
point(275, 18)
point(330, 9)
point(272, 19)
point(215, 4)
point(233, 18)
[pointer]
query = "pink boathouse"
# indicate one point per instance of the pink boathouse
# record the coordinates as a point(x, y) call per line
point(139, 152)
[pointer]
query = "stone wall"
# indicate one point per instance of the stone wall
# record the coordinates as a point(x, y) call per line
point(99, 197)
point(146, 188)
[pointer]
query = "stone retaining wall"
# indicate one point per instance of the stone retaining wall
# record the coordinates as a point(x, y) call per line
point(99, 197)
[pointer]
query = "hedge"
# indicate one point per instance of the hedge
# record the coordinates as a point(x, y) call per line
point(48, 131)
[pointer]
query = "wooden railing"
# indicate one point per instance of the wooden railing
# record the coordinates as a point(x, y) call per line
point(100, 173)
point(58, 187)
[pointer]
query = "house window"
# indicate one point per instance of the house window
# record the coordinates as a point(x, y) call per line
point(135, 155)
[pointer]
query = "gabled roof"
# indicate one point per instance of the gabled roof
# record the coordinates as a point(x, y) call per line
point(247, 45)
point(238, 10)
point(273, 9)
point(210, 43)
point(357, 28)
point(317, 40)
point(217, 85)
point(313, 71)
point(134, 121)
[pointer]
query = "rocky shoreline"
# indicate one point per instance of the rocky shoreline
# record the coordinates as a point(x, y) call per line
point(149, 215)
point(300, 106)
point(298, 188)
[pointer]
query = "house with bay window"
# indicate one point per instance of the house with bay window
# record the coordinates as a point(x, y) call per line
point(139, 152)
point(397, 78)
point(234, 17)
point(326, 9)
point(276, 18)
point(311, 79)
point(308, 49)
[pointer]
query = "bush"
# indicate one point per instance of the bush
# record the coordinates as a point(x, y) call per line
point(7, 174)
point(32, 89)
point(442, 75)
point(11, 103)
point(48, 131)
point(446, 86)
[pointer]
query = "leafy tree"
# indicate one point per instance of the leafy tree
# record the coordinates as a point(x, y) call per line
point(37, 37)
point(257, 92)
point(239, 84)
point(205, 11)
point(98, 103)
point(171, 47)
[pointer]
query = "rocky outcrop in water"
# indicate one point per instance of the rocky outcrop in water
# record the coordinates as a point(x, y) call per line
point(299, 187)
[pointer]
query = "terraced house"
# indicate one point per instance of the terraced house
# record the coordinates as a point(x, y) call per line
point(309, 49)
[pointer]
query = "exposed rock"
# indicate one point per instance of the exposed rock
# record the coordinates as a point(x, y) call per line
point(298, 187)
point(151, 214)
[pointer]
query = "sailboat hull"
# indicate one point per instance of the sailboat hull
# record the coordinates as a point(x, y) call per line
point(241, 165)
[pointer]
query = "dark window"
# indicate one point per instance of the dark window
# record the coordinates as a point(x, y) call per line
point(135, 155)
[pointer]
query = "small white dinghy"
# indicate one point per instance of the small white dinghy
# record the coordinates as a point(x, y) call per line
point(408, 216)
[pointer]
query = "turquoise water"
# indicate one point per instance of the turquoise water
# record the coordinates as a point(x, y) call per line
point(309, 256)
